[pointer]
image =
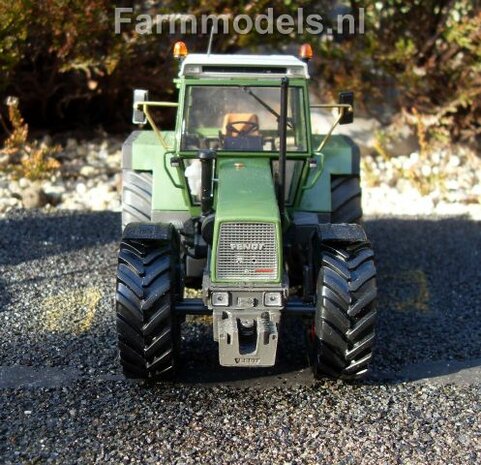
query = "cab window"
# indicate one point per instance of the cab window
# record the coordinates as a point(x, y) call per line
point(241, 119)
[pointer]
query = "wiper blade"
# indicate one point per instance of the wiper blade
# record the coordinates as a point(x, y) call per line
point(271, 110)
point(264, 104)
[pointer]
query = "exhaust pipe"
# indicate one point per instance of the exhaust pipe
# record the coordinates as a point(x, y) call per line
point(206, 158)
point(281, 185)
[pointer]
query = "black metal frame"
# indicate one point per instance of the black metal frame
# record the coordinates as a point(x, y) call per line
point(294, 307)
point(282, 146)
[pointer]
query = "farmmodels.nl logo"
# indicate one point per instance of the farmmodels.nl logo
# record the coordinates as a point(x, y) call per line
point(265, 23)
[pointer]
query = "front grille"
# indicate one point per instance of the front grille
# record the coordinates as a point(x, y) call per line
point(247, 252)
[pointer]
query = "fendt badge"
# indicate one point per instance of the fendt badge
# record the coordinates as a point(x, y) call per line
point(247, 246)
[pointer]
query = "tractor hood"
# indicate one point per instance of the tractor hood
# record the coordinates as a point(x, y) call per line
point(247, 243)
point(246, 191)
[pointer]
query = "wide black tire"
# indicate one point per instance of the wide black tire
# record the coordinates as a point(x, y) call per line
point(147, 288)
point(345, 314)
point(346, 206)
point(136, 197)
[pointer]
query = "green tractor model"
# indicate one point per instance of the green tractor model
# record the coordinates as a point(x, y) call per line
point(244, 202)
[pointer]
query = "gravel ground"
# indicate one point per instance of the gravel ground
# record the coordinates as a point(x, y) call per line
point(62, 399)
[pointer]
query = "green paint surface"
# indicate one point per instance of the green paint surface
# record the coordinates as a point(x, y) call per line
point(149, 155)
point(336, 158)
point(245, 192)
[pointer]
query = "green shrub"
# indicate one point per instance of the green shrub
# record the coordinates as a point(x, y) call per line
point(68, 67)
point(428, 51)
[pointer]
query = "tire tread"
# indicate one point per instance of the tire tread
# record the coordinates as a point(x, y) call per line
point(346, 196)
point(136, 197)
point(145, 323)
point(346, 313)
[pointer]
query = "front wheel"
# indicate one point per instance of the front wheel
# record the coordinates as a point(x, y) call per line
point(147, 288)
point(344, 331)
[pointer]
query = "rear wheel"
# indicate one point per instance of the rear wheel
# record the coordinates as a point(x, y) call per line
point(344, 332)
point(147, 289)
point(136, 197)
point(346, 199)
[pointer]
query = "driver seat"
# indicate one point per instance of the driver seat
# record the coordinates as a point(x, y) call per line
point(233, 140)
point(237, 117)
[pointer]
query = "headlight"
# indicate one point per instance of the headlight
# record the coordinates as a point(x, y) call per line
point(220, 299)
point(273, 299)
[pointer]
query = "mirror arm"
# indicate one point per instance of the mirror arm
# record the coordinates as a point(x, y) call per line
point(342, 107)
point(328, 135)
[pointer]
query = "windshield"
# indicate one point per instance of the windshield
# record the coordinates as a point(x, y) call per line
point(241, 118)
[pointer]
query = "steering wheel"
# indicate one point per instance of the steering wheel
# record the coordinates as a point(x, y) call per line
point(251, 127)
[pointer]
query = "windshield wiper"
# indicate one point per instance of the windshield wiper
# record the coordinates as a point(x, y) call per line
point(271, 110)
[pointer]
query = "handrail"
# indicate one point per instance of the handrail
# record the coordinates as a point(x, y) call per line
point(343, 107)
point(145, 109)
point(319, 171)
point(178, 186)
point(169, 151)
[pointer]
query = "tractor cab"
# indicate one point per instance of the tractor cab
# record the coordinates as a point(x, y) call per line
point(231, 104)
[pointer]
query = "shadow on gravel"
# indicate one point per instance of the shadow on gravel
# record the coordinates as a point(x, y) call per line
point(30, 235)
point(4, 294)
point(429, 280)
point(199, 359)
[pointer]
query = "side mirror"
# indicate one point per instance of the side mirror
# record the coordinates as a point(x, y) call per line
point(347, 98)
point(138, 116)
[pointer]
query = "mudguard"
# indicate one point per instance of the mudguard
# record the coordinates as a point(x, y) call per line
point(149, 231)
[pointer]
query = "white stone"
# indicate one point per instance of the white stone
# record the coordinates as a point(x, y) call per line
point(476, 189)
point(426, 170)
point(103, 153)
point(71, 144)
point(55, 189)
point(14, 187)
point(81, 188)
point(403, 185)
point(454, 161)
point(435, 157)
point(451, 184)
point(113, 160)
point(82, 151)
point(87, 171)
point(414, 157)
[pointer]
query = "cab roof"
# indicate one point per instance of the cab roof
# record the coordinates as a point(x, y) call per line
point(203, 65)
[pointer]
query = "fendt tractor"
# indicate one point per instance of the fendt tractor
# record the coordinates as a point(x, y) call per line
point(245, 203)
